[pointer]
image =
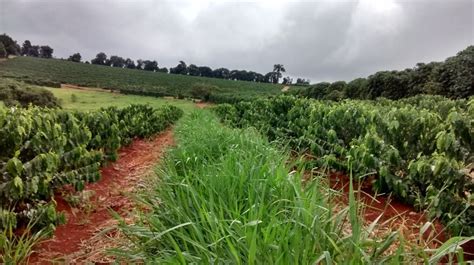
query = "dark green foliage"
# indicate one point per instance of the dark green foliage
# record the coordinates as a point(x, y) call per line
point(453, 78)
point(46, 52)
point(14, 93)
point(418, 147)
point(43, 149)
point(75, 58)
point(11, 47)
point(3, 52)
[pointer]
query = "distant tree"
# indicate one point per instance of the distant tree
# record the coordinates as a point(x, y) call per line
point(46, 52)
point(287, 80)
point(193, 70)
point(268, 77)
point(180, 69)
point(356, 89)
point(302, 82)
point(278, 69)
point(34, 51)
point(100, 59)
point(3, 52)
point(259, 78)
point(26, 47)
point(11, 47)
point(150, 66)
point(116, 61)
point(87, 62)
point(221, 73)
point(129, 63)
point(139, 64)
point(163, 70)
point(75, 58)
point(318, 91)
point(205, 71)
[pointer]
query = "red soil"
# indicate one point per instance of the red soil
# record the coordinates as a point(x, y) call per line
point(110, 192)
point(395, 215)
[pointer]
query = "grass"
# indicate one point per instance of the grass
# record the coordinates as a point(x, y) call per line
point(83, 100)
point(37, 69)
point(228, 196)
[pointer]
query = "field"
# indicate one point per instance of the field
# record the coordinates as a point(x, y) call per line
point(37, 70)
point(84, 99)
point(281, 180)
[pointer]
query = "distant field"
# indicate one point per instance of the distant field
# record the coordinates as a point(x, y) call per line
point(130, 81)
point(91, 100)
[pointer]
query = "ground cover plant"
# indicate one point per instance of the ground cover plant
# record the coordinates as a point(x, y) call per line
point(419, 149)
point(129, 81)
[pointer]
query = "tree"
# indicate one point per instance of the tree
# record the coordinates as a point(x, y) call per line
point(163, 70)
point(116, 61)
point(278, 69)
point(100, 59)
point(205, 71)
point(150, 66)
point(75, 58)
point(26, 47)
point(356, 89)
point(221, 73)
point(34, 51)
point(302, 82)
point(193, 70)
point(46, 52)
point(129, 63)
point(139, 64)
point(11, 47)
point(287, 80)
point(180, 69)
point(3, 52)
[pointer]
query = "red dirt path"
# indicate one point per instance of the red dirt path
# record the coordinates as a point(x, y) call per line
point(111, 192)
point(395, 215)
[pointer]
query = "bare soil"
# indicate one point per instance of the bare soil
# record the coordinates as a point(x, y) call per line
point(72, 242)
point(394, 215)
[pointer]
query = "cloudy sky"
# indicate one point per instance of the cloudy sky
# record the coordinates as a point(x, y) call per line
point(320, 40)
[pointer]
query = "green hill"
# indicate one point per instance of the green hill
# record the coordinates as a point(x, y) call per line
point(53, 71)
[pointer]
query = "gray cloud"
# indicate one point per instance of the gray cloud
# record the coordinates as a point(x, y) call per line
point(321, 40)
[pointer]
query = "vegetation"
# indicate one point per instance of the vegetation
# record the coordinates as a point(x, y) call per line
point(228, 196)
point(14, 93)
point(418, 148)
point(452, 78)
point(131, 81)
point(87, 99)
point(42, 149)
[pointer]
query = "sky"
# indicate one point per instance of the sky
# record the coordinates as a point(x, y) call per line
point(320, 40)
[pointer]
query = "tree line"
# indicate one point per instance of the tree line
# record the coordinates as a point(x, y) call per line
point(452, 78)
point(8, 47)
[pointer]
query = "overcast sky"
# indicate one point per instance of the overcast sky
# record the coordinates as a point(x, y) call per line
point(320, 40)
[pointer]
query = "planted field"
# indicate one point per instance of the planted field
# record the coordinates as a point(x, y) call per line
point(228, 196)
point(420, 149)
point(44, 149)
point(44, 71)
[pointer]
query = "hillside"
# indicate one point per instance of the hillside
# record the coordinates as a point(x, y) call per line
point(43, 71)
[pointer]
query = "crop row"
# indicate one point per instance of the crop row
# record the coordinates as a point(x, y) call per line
point(418, 149)
point(43, 149)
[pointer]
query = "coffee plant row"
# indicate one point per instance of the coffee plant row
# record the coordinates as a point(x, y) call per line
point(43, 149)
point(419, 149)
